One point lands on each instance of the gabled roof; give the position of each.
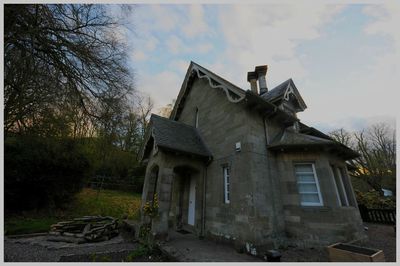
(283, 91)
(169, 134)
(290, 140)
(174, 136)
(233, 92)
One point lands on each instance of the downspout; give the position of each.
(271, 182)
(203, 214)
(265, 131)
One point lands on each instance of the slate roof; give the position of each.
(288, 138)
(292, 140)
(172, 135)
(177, 136)
(277, 92)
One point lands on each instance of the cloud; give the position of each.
(196, 23)
(387, 21)
(180, 66)
(175, 45)
(162, 87)
(138, 56)
(204, 48)
(250, 35)
(269, 34)
(156, 18)
(151, 43)
(355, 123)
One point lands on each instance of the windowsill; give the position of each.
(316, 208)
(347, 207)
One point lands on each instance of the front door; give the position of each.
(192, 201)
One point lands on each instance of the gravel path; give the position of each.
(382, 237)
(37, 249)
(379, 237)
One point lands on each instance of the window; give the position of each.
(342, 189)
(226, 184)
(196, 122)
(307, 183)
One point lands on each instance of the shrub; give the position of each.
(42, 172)
(372, 199)
(140, 252)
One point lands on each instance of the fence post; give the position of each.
(364, 213)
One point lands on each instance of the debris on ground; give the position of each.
(84, 229)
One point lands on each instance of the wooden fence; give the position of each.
(383, 216)
(100, 182)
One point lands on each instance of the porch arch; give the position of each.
(152, 182)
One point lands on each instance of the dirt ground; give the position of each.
(35, 249)
(382, 237)
(379, 237)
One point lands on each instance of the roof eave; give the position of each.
(266, 108)
(344, 152)
(171, 149)
(147, 136)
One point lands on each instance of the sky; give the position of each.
(342, 58)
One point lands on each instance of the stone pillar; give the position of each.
(164, 190)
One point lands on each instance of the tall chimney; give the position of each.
(252, 78)
(262, 83)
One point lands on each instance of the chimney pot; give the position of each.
(252, 78)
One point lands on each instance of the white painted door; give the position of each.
(192, 201)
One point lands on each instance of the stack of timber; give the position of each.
(84, 229)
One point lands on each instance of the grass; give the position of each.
(23, 225)
(88, 202)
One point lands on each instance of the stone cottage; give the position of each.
(238, 165)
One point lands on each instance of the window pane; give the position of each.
(226, 184)
(309, 198)
(307, 184)
(305, 177)
(307, 188)
(304, 168)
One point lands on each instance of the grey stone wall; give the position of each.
(309, 225)
(264, 209)
(253, 212)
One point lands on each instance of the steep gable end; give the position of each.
(286, 97)
(233, 93)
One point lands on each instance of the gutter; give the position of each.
(203, 211)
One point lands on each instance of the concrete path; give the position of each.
(37, 249)
(187, 247)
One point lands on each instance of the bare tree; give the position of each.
(167, 110)
(145, 106)
(57, 57)
(342, 136)
(377, 148)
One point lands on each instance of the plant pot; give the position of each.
(340, 252)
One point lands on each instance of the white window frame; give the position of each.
(340, 177)
(337, 174)
(336, 187)
(227, 181)
(321, 202)
(196, 125)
